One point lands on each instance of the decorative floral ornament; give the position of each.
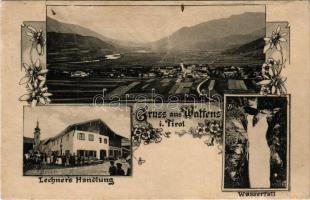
(36, 88)
(268, 65)
(209, 141)
(147, 134)
(141, 161)
(37, 39)
(215, 128)
(36, 94)
(273, 82)
(34, 73)
(196, 132)
(274, 40)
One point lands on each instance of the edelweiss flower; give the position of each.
(273, 81)
(37, 39)
(274, 40)
(34, 74)
(264, 90)
(268, 66)
(36, 94)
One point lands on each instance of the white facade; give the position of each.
(78, 142)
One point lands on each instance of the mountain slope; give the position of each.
(219, 34)
(252, 49)
(61, 41)
(61, 27)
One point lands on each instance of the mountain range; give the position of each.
(223, 34)
(55, 26)
(219, 34)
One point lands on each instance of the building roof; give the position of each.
(28, 140)
(45, 141)
(126, 142)
(95, 126)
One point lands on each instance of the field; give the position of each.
(67, 60)
(83, 91)
(128, 75)
(221, 86)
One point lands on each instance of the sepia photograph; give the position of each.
(199, 50)
(256, 139)
(76, 140)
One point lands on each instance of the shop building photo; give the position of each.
(94, 146)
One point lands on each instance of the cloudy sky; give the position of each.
(54, 119)
(142, 23)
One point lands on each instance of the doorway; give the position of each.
(103, 154)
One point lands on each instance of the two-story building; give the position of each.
(91, 138)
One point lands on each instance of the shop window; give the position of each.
(80, 152)
(91, 153)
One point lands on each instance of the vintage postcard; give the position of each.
(155, 99)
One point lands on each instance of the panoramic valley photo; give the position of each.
(93, 50)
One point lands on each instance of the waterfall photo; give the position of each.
(256, 140)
